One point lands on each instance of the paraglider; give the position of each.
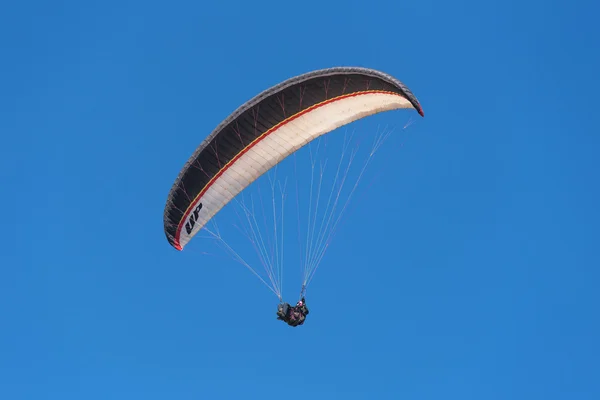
(293, 316)
(267, 129)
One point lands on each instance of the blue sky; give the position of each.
(467, 270)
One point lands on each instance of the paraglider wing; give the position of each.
(268, 128)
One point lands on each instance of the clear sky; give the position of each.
(468, 268)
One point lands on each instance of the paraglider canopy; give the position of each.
(268, 128)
